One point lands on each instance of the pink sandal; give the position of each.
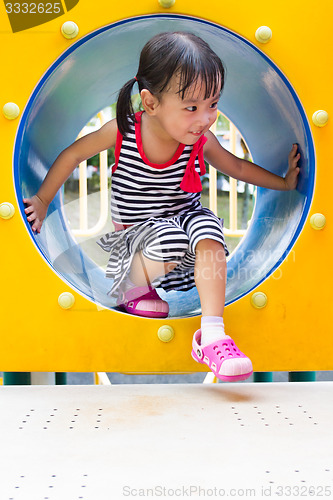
(143, 301)
(223, 357)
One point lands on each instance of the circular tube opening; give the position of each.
(257, 98)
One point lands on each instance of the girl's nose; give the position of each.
(207, 118)
(203, 118)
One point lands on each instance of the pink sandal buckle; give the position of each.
(152, 306)
(223, 357)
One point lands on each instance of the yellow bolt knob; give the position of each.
(263, 34)
(165, 333)
(320, 118)
(7, 210)
(166, 4)
(317, 221)
(69, 30)
(11, 110)
(259, 300)
(66, 300)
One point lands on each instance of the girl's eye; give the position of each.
(191, 108)
(214, 105)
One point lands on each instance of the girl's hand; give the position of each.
(293, 171)
(36, 211)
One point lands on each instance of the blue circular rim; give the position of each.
(74, 46)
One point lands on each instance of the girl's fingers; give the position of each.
(36, 227)
(29, 209)
(293, 151)
(32, 217)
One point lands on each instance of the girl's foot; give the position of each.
(142, 301)
(223, 357)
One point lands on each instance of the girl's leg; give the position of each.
(163, 247)
(137, 295)
(144, 269)
(210, 279)
(212, 346)
(210, 276)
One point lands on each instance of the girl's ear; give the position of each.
(149, 102)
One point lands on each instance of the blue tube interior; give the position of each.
(257, 98)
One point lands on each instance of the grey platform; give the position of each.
(164, 441)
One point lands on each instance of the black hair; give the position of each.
(165, 55)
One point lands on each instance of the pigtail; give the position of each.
(125, 111)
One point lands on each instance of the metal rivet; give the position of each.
(166, 333)
(263, 34)
(11, 110)
(166, 4)
(259, 300)
(69, 30)
(7, 210)
(317, 221)
(320, 118)
(66, 300)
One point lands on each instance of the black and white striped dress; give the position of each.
(156, 208)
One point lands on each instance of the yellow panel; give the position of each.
(293, 332)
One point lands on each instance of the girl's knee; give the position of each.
(209, 244)
(210, 250)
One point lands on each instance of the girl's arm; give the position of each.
(246, 171)
(67, 161)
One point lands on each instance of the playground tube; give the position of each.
(257, 98)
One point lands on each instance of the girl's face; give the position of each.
(186, 120)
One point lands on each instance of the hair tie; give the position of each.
(135, 78)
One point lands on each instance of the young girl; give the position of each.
(163, 236)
